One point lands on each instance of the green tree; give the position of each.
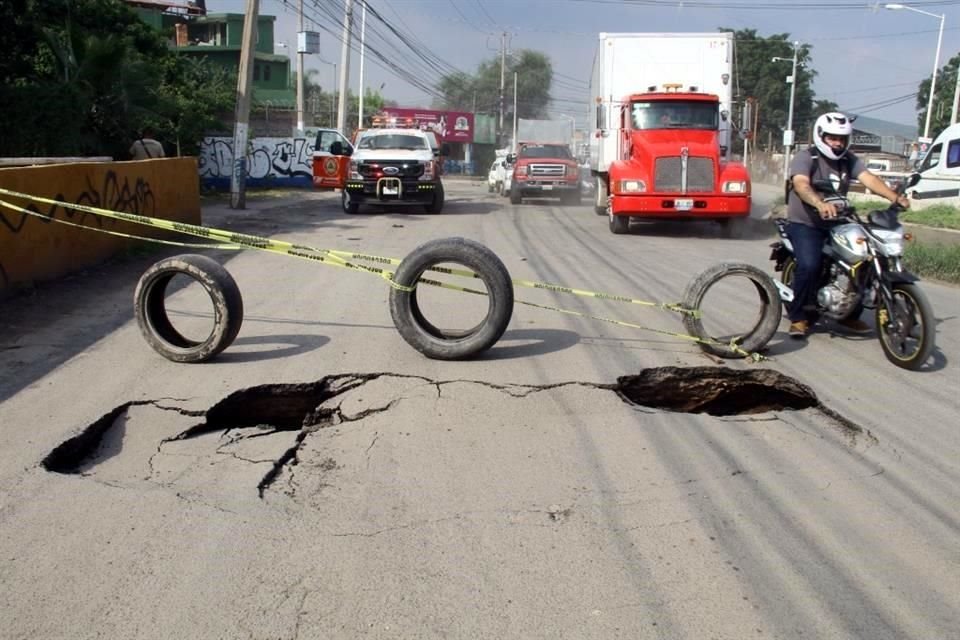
(481, 92)
(757, 75)
(942, 101)
(191, 99)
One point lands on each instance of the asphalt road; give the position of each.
(535, 492)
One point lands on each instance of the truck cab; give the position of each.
(670, 163)
(544, 170)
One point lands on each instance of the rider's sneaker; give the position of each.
(854, 325)
(799, 329)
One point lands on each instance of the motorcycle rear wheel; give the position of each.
(907, 332)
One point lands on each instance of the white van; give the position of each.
(940, 168)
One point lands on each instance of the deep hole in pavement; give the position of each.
(718, 391)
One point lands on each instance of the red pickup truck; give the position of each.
(544, 170)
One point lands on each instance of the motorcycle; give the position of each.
(862, 268)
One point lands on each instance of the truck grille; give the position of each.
(699, 175)
(547, 170)
(405, 169)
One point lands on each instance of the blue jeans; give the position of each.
(808, 250)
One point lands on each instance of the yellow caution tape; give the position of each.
(231, 240)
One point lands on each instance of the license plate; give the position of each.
(547, 187)
(683, 204)
(391, 191)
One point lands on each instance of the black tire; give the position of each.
(436, 205)
(515, 197)
(426, 338)
(489, 188)
(904, 345)
(766, 324)
(499, 188)
(600, 196)
(619, 224)
(159, 332)
(348, 205)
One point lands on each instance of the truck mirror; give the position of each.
(512, 158)
(913, 179)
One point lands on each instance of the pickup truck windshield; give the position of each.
(668, 114)
(392, 141)
(545, 151)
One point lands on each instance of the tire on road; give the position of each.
(349, 206)
(767, 321)
(436, 205)
(428, 339)
(159, 332)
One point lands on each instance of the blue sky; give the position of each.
(864, 55)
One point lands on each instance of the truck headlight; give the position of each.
(735, 186)
(633, 186)
(355, 170)
(428, 170)
(522, 170)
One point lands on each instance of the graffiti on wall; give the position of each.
(125, 197)
(269, 162)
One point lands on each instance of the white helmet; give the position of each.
(833, 124)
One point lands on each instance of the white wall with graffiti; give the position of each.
(271, 162)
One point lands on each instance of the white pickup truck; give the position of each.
(394, 167)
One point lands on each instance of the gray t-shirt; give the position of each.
(833, 170)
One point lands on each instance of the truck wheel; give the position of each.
(499, 188)
(436, 205)
(426, 338)
(515, 197)
(619, 224)
(349, 206)
(600, 196)
(149, 305)
(767, 320)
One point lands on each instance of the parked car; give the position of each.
(940, 168)
(495, 176)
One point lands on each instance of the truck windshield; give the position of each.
(545, 151)
(392, 141)
(668, 114)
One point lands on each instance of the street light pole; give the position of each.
(788, 137)
(936, 57)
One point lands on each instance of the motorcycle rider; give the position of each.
(810, 215)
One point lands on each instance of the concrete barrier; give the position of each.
(33, 249)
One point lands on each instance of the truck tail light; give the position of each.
(734, 186)
(633, 186)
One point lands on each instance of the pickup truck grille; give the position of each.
(547, 170)
(699, 175)
(405, 169)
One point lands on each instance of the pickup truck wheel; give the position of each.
(765, 325)
(452, 345)
(150, 308)
(499, 188)
(619, 224)
(436, 205)
(515, 197)
(348, 205)
(600, 196)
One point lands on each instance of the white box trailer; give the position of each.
(630, 63)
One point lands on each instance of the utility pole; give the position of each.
(503, 68)
(956, 98)
(345, 67)
(788, 137)
(514, 112)
(363, 37)
(300, 76)
(238, 178)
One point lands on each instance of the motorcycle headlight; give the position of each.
(633, 186)
(734, 186)
(891, 242)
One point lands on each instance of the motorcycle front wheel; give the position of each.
(906, 327)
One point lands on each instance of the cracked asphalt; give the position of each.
(321, 479)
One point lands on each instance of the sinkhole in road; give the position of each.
(718, 391)
(309, 407)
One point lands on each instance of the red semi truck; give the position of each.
(660, 150)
